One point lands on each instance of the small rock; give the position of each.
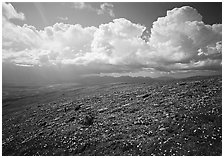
(162, 129)
(145, 96)
(102, 110)
(88, 120)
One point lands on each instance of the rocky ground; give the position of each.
(181, 117)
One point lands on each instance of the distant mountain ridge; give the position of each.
(165, 78)
(110, 79)
(98, 80)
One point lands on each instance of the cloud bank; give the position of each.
(180, 41)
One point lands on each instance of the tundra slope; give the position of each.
(181, 117)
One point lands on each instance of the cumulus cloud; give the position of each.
(82, 5)
(118, 42)
(9, 12)
(180, 41)
(59, 42)
(182, 37)
(79, 5)
(62, 18)
(106, 8)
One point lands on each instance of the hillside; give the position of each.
(180, 117)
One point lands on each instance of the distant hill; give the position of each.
(91, 80)
(199, 77)
(165, 78)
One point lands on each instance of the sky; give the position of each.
(64, 41)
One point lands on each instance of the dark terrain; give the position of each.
(176, 117)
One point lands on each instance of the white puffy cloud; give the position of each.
(19, 38)
(60, 41)
(83, 5)
(118, 41)
(179, 41)
(62, 18)
(79, 5)
(106, 8)
(182, 37)
(9, 12)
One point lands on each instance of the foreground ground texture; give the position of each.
(182, 117)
